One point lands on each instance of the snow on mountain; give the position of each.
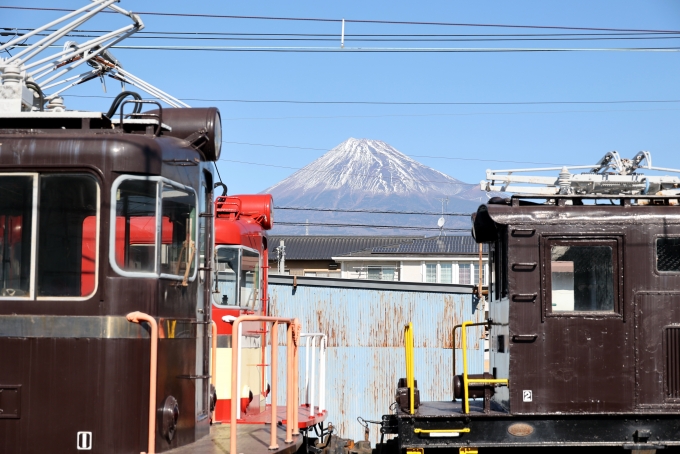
(370, 174)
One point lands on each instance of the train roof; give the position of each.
(606, 211)
(524, 210)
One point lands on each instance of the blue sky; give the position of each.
(575, 134)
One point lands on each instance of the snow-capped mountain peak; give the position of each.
(369, 166)
(370, 175)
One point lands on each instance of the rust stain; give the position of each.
(365, 332)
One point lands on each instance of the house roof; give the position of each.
(324, 247)
(444, 245)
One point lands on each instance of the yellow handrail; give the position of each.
(466, 381)
(453, 339)
(410, 380)
(442, 431)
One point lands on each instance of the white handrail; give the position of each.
(310, 371)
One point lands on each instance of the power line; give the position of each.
(358, 21)
(410, 155)
(305, 169)
(406, 103)
(353, 35)
(342, 173)
(467, 114)
(372, 226)
(409, 50)
(319, 49)
(339, 210)
(287, 37)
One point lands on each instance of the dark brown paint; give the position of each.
(94, 384)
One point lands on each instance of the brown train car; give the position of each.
(583, 330)
(99, 219)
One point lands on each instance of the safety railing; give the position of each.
(453, 342)
(292, 341)
(410, 380)
(310, 371)
(466, 380)
(139, 317)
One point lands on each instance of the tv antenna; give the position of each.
(441, 221)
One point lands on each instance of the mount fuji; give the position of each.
(365, 174)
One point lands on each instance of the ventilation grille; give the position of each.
(668, 254)
(672, 349)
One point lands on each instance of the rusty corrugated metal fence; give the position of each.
(365, 329)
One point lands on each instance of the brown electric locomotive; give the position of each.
(99, 220)
(583, 318)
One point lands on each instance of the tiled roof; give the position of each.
(309, 247)
(461, 244)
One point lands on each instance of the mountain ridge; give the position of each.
(361, 173)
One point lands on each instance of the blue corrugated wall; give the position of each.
(365, 357)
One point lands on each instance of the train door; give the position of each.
(584, 335)
(657, 323)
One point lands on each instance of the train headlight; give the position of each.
(217, 135)
(201, 126)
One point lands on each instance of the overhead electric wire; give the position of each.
(372, 226)
(319, 49)
(463, 114)
(358, 21)
(337, 172)
(409, 155)
(408, 103)
(197, 35)
(322, 49)
(340, 210)
(367, 174)
(326, 37)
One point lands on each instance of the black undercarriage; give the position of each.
(497, 429)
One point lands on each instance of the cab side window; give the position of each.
(581, 276)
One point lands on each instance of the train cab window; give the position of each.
(250, 279)
(155, 228)
(135, 245)
(16, 223)
(668, 254)
(49, 227)
(67, 235)
(582, 277)
(178, 256)
(226, 276)
(237, 278)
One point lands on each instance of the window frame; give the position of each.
(34, 236)
(35, 213)
(436, 272)
(158, 238)
(616, 244)
(240, 248)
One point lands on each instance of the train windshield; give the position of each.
(238, 277)
(155, 229)
(178, 255)
(226, 276)
(58, 256)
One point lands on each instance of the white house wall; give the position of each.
(411, 272)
